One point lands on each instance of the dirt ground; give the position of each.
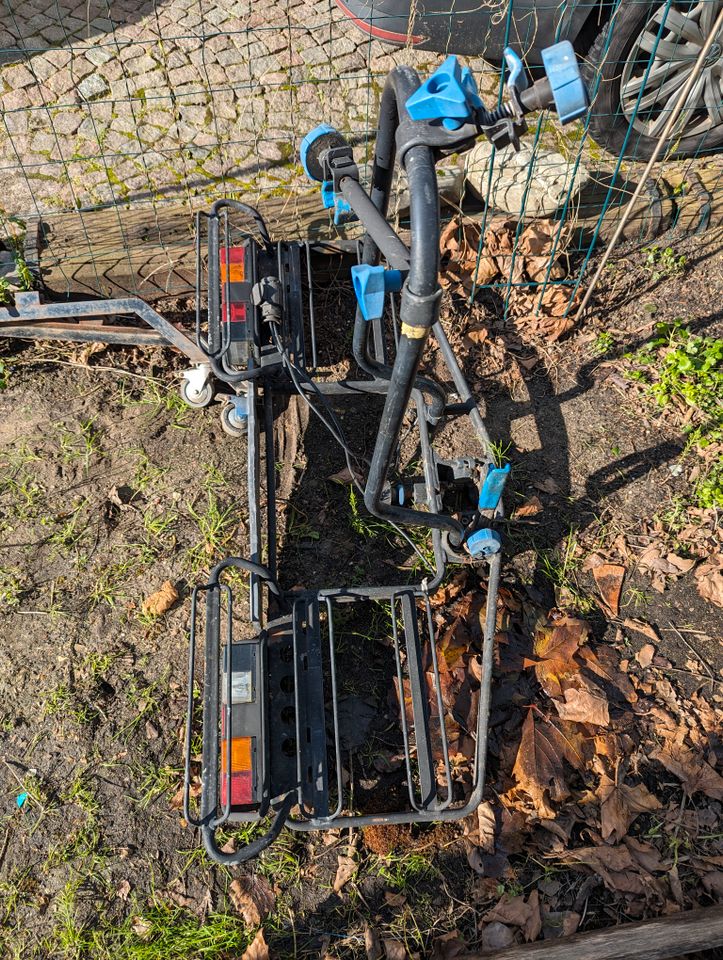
(110, 486)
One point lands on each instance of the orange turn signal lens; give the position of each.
(241, 755)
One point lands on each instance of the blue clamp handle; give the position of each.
(484, 543)
(567, 86)
(518, 78)
(449, 95)
(494, 484)
(371, 284)
(343, 212)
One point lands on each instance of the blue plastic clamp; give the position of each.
(370, 286)
(517, 78)
(311, 137)
(484, 543)
(449, 95)
(240, 408)
(343, 212)
(568, 87)
(494, 484)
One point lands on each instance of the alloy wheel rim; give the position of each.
(685, 30)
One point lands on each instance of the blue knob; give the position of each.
(568, 87)
(494, 484)
(315, 142)
(370, 286)
(449, 95)
(484, 543)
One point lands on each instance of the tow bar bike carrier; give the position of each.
(272, 743)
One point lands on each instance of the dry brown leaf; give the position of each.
(695, 774)
(372, 944)
(713, 884)
(616, 866)
(123, 890)
(448, 947)
(482, 829)
(345, 870)
(530, 508)
(645, 655)
(583, 706)
(709, 580)
(161, 601)
(609, 579)
(394, 950)
(496, 936)
(518, 912)
(252, 897)
(555, 644)
(620, 804)
(257, 949)
(640, 626)
(539, 769)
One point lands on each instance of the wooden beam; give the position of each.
(149, 251)
(659, 939)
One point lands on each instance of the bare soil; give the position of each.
(109, 487)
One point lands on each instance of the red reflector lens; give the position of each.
(236, 313)
(242, 789)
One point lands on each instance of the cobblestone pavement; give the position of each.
(174, 98)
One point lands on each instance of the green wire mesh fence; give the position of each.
(148, 109)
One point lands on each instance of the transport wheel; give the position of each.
(231, 423)
(193, 398)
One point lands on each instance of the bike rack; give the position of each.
(271, 745)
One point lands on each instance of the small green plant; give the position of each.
(684, 369)
(216, 525)
(405, 871)
(499, 451)
(4, 369)
(662, 262)
(604, 343)
(11, 588)
(560, 566)
(83, 444)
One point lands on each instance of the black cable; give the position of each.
(338, 433)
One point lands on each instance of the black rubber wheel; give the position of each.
(623, 67)
(196, 400)
(230, 425)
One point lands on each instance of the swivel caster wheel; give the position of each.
(198, 399)
(234, 423)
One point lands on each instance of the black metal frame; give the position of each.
(295, 616)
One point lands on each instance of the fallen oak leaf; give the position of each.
(609, 578)
(620, 805)
(616, 866)
(518, 912)
(555, 645)
(161, 601)
(582, 706)
(695, 774)
(252, 897)
(538, 768)
(709, 580)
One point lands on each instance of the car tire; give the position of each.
(614, 74)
